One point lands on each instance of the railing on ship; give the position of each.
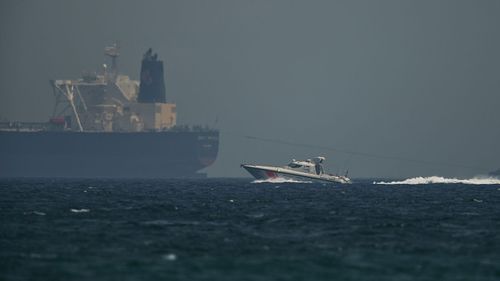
(186, 128)
(26, 126)
(51, 126)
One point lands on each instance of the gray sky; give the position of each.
(417, 80)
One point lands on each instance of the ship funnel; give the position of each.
(152, 87)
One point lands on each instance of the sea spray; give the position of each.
(442, 180)
(279, 180)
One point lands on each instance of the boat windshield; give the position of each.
(293, 165)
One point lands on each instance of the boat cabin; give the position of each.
(308, 166)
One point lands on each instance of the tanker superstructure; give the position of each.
(108, 125)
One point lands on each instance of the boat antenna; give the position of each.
(346, 165)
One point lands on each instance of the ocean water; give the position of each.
(236, 229)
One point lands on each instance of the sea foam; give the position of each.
(443, 180)
(80, 210)
(279, 180)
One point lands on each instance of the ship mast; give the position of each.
(112, 52)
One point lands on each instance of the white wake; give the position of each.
(435, 179)
(280, 180)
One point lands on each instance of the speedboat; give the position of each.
(302, 170)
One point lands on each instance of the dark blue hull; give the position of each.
(110, 155)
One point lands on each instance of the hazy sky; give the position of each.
(418, 80)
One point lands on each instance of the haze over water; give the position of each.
(414, 80)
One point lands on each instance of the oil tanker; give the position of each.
(108, 125)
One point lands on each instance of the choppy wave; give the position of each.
(173, 226)
(280, 180)
(438, 180)
(80, 210)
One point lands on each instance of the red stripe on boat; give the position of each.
(271, 174)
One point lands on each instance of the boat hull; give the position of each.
(270, 172)
(167, 154)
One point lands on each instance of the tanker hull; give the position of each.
(166, 154)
